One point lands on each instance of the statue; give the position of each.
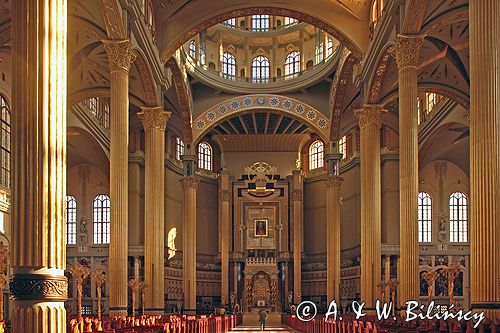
(99, 277)
(172, 234)
(452, 272)
(430, 276)
(79, 273)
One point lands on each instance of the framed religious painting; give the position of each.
(260, 227)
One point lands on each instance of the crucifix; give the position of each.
(143, 287)
(279, 228)
(134, 286)
(393, 286)
(452, 272)
(430, 277)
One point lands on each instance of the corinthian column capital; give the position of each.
(153, 117)
(120, 54)
(370, 114)
(334, 182)
(190, 183)
(407, 50)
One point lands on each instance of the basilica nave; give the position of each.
(213, 160)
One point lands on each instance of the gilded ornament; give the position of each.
(120, 54)
(39, 287)
(407, 50)
(333, 182)
(370, 114)
(190, 183)
(154, 118)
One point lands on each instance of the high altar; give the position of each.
(262, 259)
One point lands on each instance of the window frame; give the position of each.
(101, 226)
(458, 216)
(228, 66)
(179, 148)
(316, 155)
(71, 219)
(292, 65)
(192, 49)
(205, 156)
(260, 22)
(261, 68)
(5, 142)
(424, 208)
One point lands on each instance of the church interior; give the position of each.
(188, 165)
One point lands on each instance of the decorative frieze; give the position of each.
(333, 182)
(297, 195)
(120, 54)
(53, 288)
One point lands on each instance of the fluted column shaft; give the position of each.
(154, 121)
(297, 195)
(485, 156)
(120, 58)
(370, 121)
(333, 185)
(190, 186)
(407, 52)
(225, 232)
(38, 286)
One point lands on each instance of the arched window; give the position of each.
(329, 47)
(101, 219)
(192, 49)
(316, 151)
(424, 217)
(458, 217)
(5, 143)
(172, 234)
(230, 23)
(70, 220)
(228, 66)
(204, 156)
(290, 21)
(292, 65)
(319, 52)
(179, 148)
(343, 146)
(260, 22)
(260, 69)
(105, 116)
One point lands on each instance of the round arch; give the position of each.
(437, 88)
(289, 106)
(198, 27)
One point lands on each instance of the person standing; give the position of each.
(262, 320)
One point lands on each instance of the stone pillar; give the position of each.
(189, 184)
(333, 184)
(38, 287)
(154, 121)
(370, 121)
(120, 56)
(297, 234)
(407, 52)
(387, 278)
(485, 156)
(225, 232)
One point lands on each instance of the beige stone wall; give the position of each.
(207, 218)
(284, 161)
(390, 198)
(314, 217)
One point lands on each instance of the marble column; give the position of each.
(38, 287)
(407, 51)
(154, 121)
(297, 194)
(120, 56)
(225, 232)
(189, 184)
(370, 120)
(485, 156)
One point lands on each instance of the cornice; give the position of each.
(101, 134)
(436, 119)
(269, 33)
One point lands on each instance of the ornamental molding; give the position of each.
(407, 50)
(39, 287)
(380, 73)
(334, 182)
(370, 114)
(120, 54)
(290, 106)
(154, 118)
(148, 83)
(190, 183)
(225, 195)
(297, 195)
(112, 18)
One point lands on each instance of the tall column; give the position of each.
(370, 120)
(333, 184)
(407, 52)
(190, 185)
(154, 120)
(297, 234)
(120, 56)
(485, 155)
(38, 286)
(225, 232)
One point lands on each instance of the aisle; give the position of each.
(275, 329)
